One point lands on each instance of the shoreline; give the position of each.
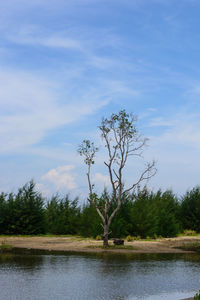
(85, 245)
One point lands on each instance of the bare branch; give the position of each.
(115, 174)
(149, 172)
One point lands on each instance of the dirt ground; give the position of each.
(78, 244)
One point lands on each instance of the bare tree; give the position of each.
(122, 141)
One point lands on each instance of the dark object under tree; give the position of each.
(118, 242)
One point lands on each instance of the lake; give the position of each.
(43, 275)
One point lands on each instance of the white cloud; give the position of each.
(41, 188)
(61, 177)
(101, 179)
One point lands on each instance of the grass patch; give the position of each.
(148, 239)
(35, 235)
(195, 246)
(188, 233)
(44, 235)
(80, 238)
(5, 247)
(130, 238)
(112, 247)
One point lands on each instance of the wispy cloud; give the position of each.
(160, 121)
(64, 62)
(101, 180)
(30, 108)
(176, 150)
(182, 129)
(61, 177)
(39, 36)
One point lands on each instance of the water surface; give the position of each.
(102, 277)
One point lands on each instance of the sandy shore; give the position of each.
(77, 244)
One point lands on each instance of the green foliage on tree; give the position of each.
(63, 215)
(90, 221)
(143, 213)
(3, 213)
(190, 210)
(22, 213)
(155, 214)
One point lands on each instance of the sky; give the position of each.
(66, 64)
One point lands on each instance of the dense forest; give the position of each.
(142, 214)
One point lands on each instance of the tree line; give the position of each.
(143, 213)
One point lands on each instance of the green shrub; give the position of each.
(129, 238)
(197, 296)
(195, 246)
(5, 247)
(189, 232)
(98, 238)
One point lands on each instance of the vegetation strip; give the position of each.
(112, 247)
(4, 247)
(194, 246)
(144, 214)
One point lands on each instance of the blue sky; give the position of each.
(66, 64)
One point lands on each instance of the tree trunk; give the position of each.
(105, 235)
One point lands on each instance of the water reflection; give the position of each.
(104, 276)
(26, 263)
